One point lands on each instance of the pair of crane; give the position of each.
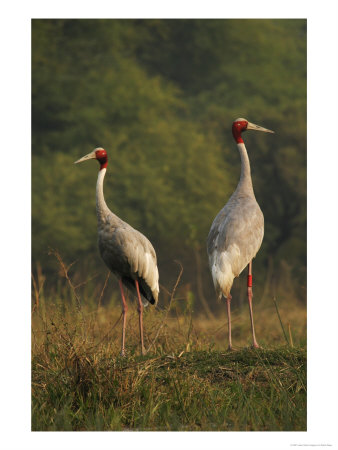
(234, 239)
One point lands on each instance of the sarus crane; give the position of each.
(236, 233)
(126, 252)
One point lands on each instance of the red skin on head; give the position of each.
(237, 128)
(102, 157)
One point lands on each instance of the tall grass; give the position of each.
(187, 381)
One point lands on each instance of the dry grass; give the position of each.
(187, 381)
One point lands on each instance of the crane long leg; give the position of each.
(124, 312)
(140, 315)
(229, 320)
(254, 344)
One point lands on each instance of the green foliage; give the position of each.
(160, 96)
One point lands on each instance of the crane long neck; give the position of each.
(245, 182)
(104, 215)
(102, 210)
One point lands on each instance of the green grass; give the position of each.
(79, 382)
(199, 390)
(186, 382)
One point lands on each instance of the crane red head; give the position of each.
(100, 154)
(240, 125)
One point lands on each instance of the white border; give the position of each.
(322, 215)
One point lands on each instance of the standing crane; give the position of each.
(236, 233)
(126, 252)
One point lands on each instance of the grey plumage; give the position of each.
(234, 239)
(237, 231)
(129, 255)
(126, 252)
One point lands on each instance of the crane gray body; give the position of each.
(129, 255)
(126, 251)
(236, 233)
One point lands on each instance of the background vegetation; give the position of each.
(160, 96)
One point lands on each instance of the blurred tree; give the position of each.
(160, 96)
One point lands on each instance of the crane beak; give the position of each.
(252, 126)
(91, 155)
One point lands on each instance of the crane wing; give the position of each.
(130, 255)
(237, 233)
